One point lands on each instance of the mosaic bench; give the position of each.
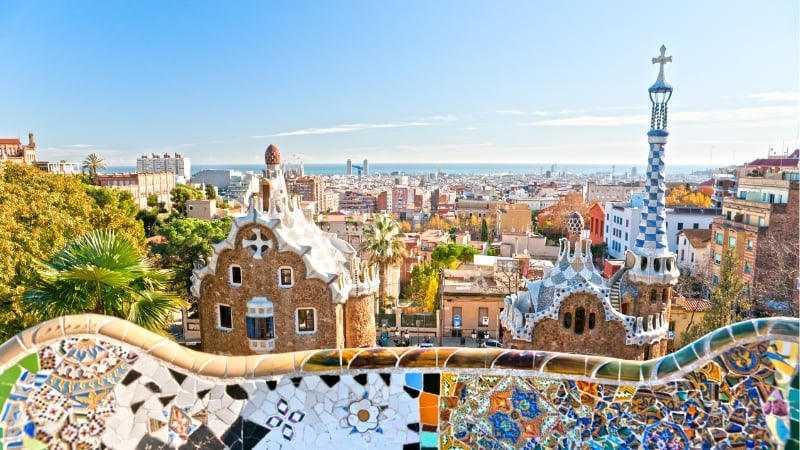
(92, 381)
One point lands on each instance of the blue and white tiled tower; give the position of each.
(651, 261)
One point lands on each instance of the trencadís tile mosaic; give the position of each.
(92, 382)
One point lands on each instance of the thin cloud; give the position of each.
(353, 127)
(768, 115)
(508, 112)
(774, 96)
(80, 146)
(543, 113)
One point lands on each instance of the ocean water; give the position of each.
(447, 168)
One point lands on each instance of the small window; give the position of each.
(719, 238)
(717, 259)
(665, 296)
(306, 320)
(747, 267)
(680, 226)
(749, 244)
(260, 328)
(568, 320)
(235, 276)
(653, 297)
(695, 226)
(285, 277)
(591, 321)
(580, 317)
(732, 241)
(224, 317)
(715, 279)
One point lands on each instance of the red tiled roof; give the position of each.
(692, 304)
(776, 162)
(10, 141)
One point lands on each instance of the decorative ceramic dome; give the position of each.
(272, 156)
(575, 224)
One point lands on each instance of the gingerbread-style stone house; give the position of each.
(280, 284)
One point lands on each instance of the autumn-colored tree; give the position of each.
(41, 213)
(683, 196)
(437, 223)
(405, 227)
(424, 286)
(556, 224)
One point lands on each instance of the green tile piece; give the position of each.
(33, 444)
(684, 356)
(667, 367)
(10, 376)
(608, 371)
(720, 338)
(429, 439)
(785, 328)
(630, 371)
(30, 362)
(743, 330)
(646, 369)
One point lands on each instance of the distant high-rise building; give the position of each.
(349, 167)
(177, 164)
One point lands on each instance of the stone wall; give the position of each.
(98, 382)
(259, 279)
(607, 337)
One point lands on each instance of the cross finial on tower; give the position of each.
(662, 59)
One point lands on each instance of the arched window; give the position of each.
(591, 321)
(580, 317)
(643, 265)
(652, 296)
(657, 264)
(568, 320)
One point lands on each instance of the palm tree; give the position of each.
(92, 163)
(384, 250)
(101, 272)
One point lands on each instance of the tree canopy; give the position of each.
(180, 194)
(683, 196)
(187, 240)
(382, 247)
(41, 213)
(92, 164)
(450, 255)
(103, 273)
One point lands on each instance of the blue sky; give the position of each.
(391, 81)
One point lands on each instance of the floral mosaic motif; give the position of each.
(286, 419)
(363, 416)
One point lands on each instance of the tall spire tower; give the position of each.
(651, 260)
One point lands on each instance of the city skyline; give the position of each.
(399, 82)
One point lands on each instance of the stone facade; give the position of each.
(280, 284)
(13, 150)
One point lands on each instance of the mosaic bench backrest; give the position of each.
(93, 381)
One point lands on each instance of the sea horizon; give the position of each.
(447, 168)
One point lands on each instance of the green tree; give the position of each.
(484, 231)
(41, 212)
(383, 247)
(424, 286)
(728, 305)
(211, 192)
(118, 212)
(92, 164)
(180, 194)
(102, 272)
(450, 255)
(186, 242)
